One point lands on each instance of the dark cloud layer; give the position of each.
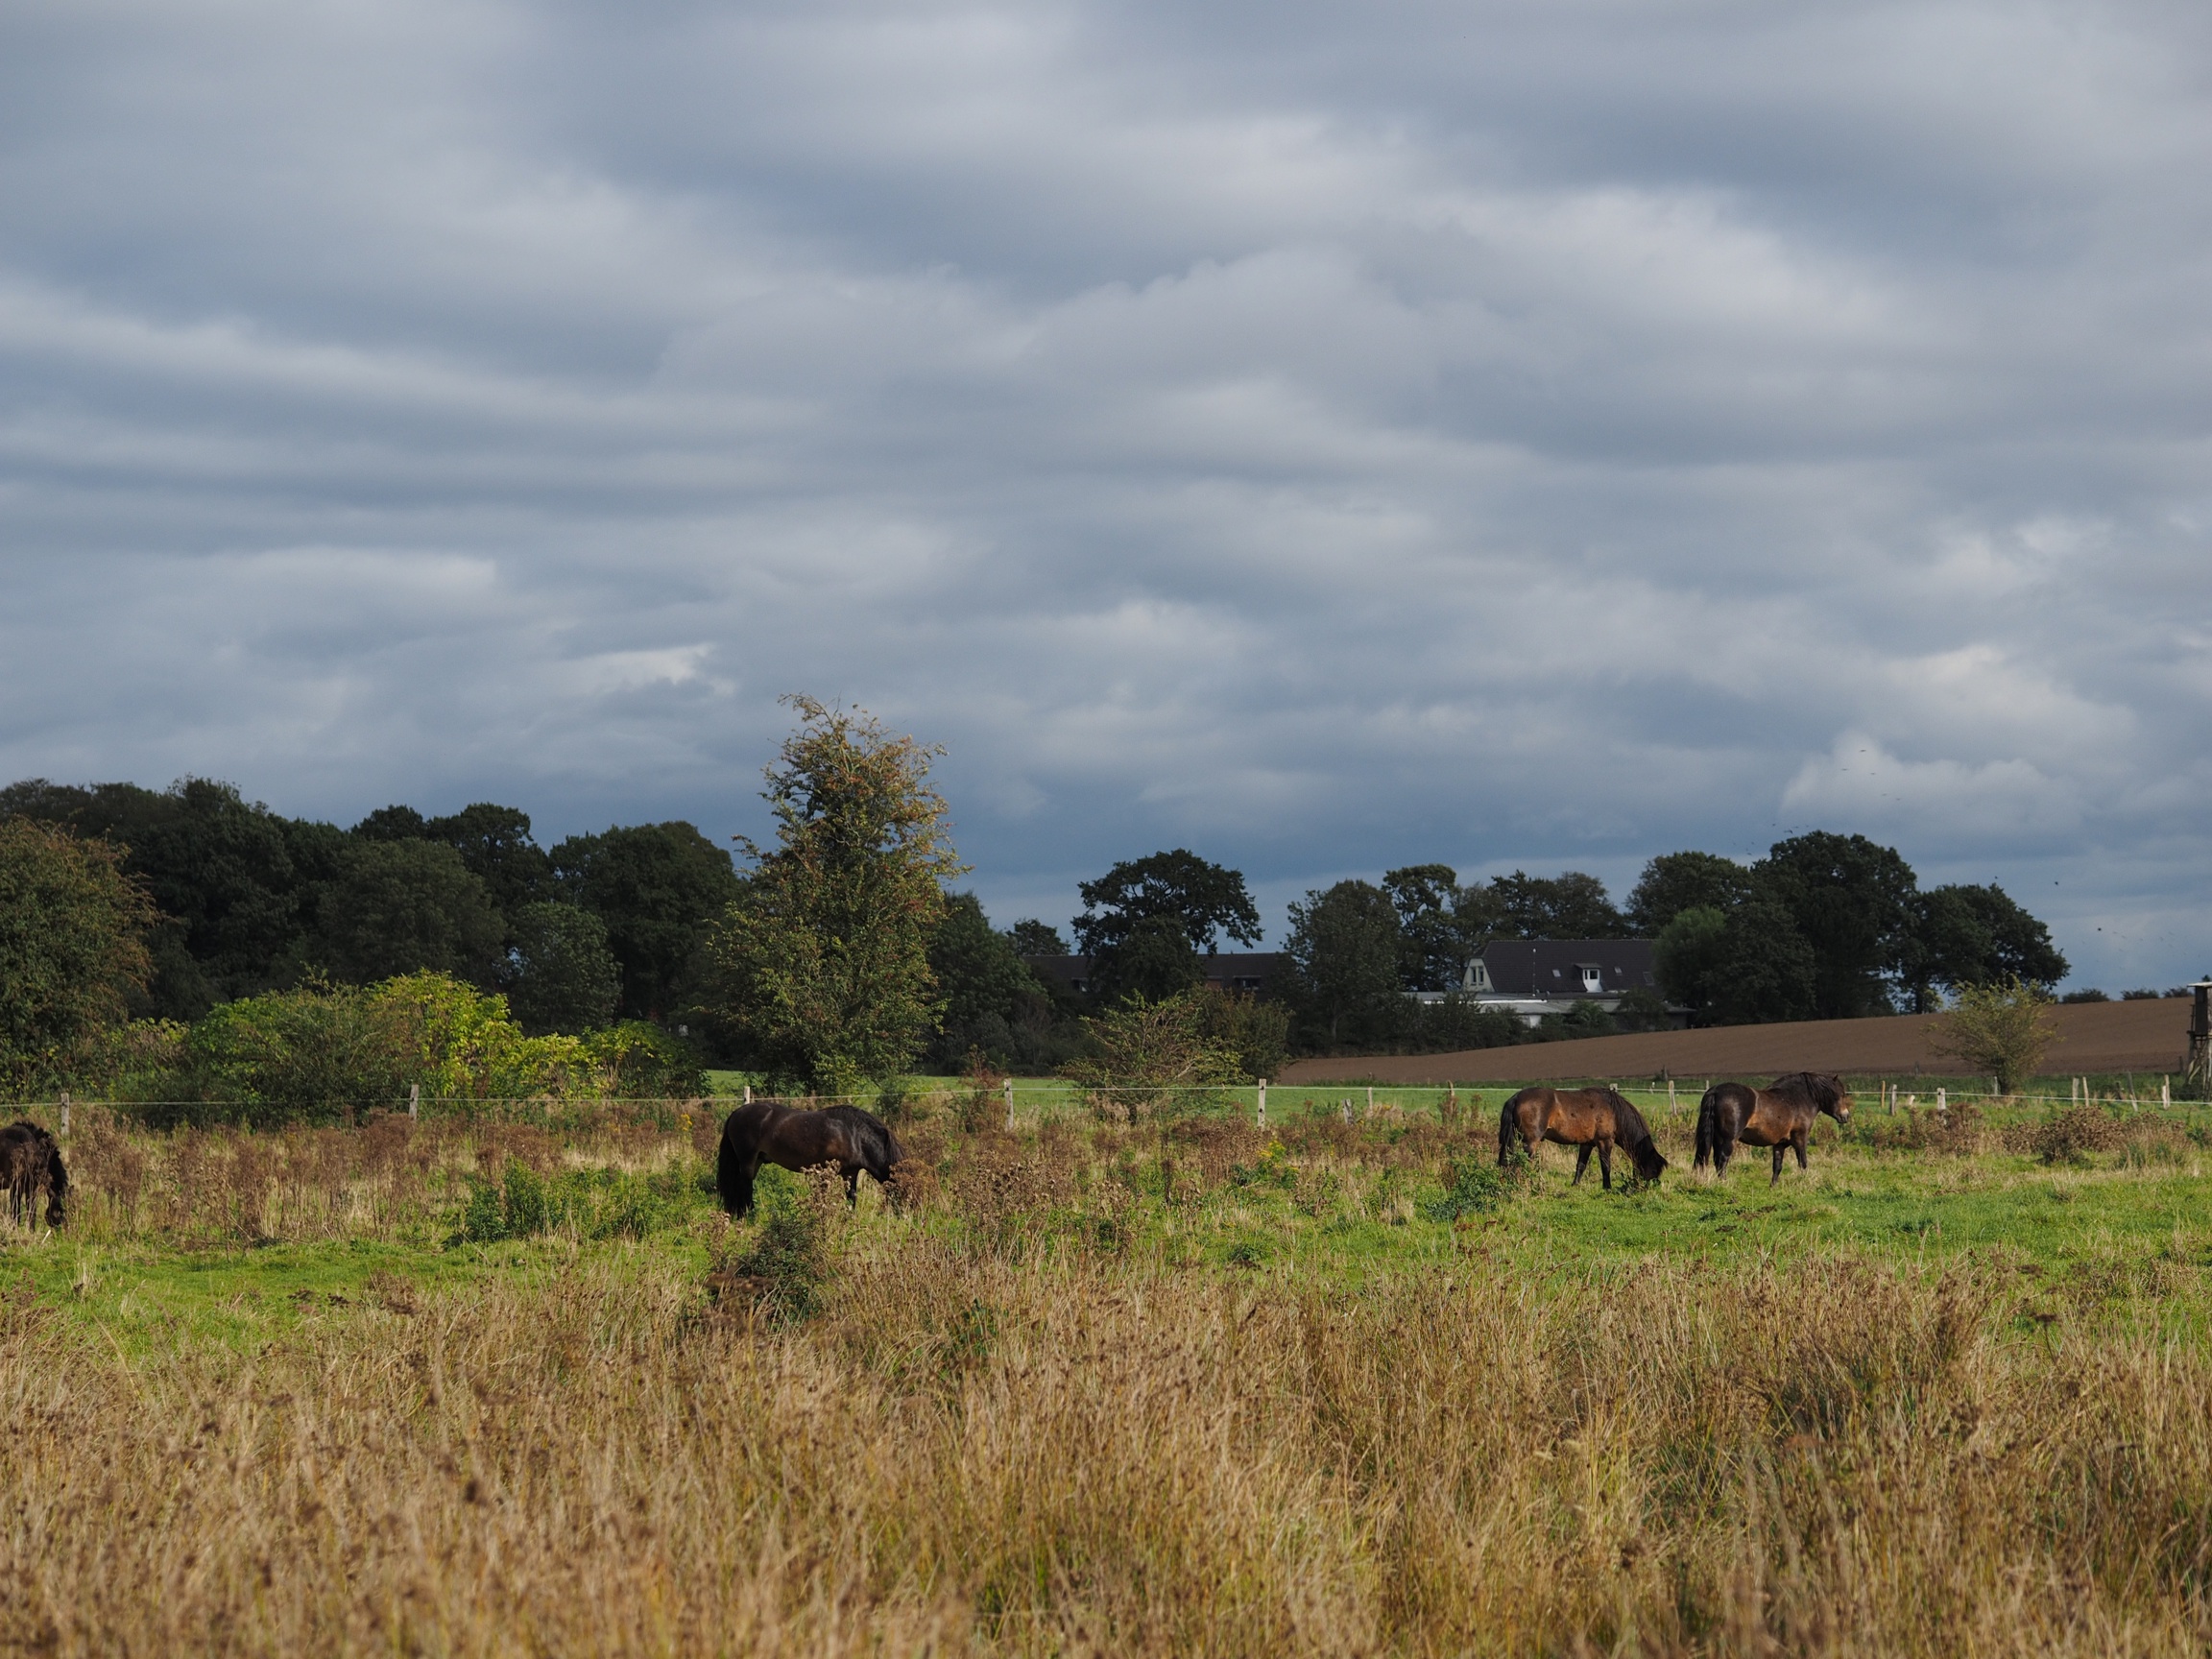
(1329, 437)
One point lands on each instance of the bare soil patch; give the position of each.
(2093, 1037)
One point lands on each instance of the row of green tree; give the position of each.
(1825, 926)
(244, 901)
(839, 954)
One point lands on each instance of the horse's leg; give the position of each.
(851, 1185)
(1723, 1149)
(1581, 1163)
(1606, 1163)
(1780, 1147)
(1799, 1140)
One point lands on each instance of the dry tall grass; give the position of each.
(974, 1451)
(984, 1446)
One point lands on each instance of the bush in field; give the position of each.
(73, 930)
(1146, 1053)
(635, 1060)
(785, 1268)
(2000, 1028)
(1473, 1187)
(2069, 1135)
(592, 1203)
(323, 1053)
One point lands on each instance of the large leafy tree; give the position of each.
(1854, 904)
(561, 976)
(1971, 936)
(1031, 937)
(659, 889)
(1207, 900)
(978, 972)
(407, 906)
(1433, 949)
(1343, 982)
(823, 961)
(1764, 968)
(1153, 960)
(1570, 906)
(219, 867)
(1678, 882)
(73, 930)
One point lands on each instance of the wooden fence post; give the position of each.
(1009, 1105)
(1260, 1117)
(1345, 1106)
(1943, 1110)
(1370, 1100)
(748, 1094)
(1669, 1097)
(64, 1111)
(414, 1099)
(2165, 1096)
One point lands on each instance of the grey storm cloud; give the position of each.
(1329, 437)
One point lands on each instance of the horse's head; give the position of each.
(1834, 1098)
(1649, 1165)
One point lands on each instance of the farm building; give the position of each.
(1532, 978)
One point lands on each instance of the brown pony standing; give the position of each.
(1779, 1116)
(1590, 1119)
(797, 1138)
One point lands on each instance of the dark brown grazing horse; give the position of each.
(1591, 1119)
(29, 1160)
(796, 1139)
(1779, 1116)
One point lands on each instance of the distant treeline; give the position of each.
(617, 926)
(596, 929)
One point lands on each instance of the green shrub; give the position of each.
(1472, 1187)
(785, 1268)
(635, 1060)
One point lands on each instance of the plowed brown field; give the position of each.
(2093, 1037)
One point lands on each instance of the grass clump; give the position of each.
(2070, 1134)
(1472, 1187)
(783, 1271)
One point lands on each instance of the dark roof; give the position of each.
(1555, 966)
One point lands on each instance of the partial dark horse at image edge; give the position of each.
(1589, 1120)
(1780, 1116)
(795, 1138)
(29, 1161)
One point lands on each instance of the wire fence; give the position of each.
(1038, 1099)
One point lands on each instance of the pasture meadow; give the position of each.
(1176, 1385)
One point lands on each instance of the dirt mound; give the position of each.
(2149, 1037)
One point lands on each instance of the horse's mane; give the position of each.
(1815, 1089)
(1630, 1119)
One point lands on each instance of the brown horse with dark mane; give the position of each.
(799, 1139)
(1589, 1120)
(29, 1160)
(1779, 1116)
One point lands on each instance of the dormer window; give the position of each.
(1592, 978)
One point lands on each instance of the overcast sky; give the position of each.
(1327, 437)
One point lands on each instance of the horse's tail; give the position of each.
(733, 1180)
(1508, 1126)
(1705, 1108)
